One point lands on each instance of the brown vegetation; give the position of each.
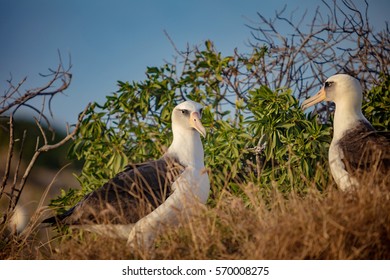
(330, 225)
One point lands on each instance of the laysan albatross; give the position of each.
(356, 148)
(142, 198)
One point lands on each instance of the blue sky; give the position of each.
(117, 39)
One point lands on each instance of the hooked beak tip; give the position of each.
(317, 98)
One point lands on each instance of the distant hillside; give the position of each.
(45, 171)
(54, 159)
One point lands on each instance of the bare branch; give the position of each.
(9, 155)
(45, 148)
(15, 192)
(12, 102)
(42, 131)
(173, 44)
(338, 39)
(14, 99)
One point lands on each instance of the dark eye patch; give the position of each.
(200, 111)
(328, 84)
(185, 112)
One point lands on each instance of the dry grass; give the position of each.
(331, 225)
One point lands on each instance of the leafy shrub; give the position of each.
(376, 106)
(255, 134)
(258, 135)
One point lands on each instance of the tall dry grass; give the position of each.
(329, 225)
(333, 225)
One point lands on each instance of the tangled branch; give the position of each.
(338, 39)
(11, 102)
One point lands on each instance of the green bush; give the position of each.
(255, 134)
(376, 104)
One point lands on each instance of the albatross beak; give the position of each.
(320, 96)
(197, 124)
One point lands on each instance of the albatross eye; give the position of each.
(328, 84)
(184, 112)
(200, 112)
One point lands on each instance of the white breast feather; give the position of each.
(190, 190)
(338, 170)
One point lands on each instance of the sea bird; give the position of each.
(356, 148)
(142, 198)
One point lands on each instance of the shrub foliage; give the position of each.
(256, 129)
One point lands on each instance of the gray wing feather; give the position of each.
(126, 198)
(365, 149)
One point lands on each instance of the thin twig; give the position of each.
(34, 221)
(173, 44)
(46, 148)
(9, 155)
(15, 192)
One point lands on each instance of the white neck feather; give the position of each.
(187, 147)
(346, 116)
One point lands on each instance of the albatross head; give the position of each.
(186, 117)
(187, 128)
(342, 89)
